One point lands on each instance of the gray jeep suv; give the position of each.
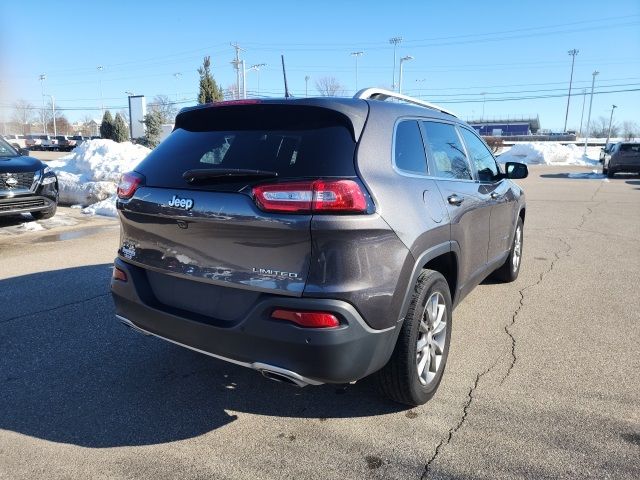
(316, 240)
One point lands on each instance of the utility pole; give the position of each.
(613, 107)
(586, 137)
(573, 54)
(236, 63)
(357, 54)
(584, 98)
(177, 76)
(395, 41)
(402, 60)
(53, 112)
(100, 68)
(43, 77)
(306, 85)
(257, 68)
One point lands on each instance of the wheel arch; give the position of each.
(443, 258)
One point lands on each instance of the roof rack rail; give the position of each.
(382, 94)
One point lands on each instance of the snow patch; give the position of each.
(541, 153)
(31, 227)
(89, 174)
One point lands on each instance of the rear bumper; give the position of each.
(312, 356)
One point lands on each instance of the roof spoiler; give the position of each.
(382, 95)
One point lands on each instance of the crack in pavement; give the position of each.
(465, 413)
(514, 317)
(77, 302)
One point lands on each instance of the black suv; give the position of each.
(26, 184)
(316, 240)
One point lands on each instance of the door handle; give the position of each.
(495, 195)
(455, 199)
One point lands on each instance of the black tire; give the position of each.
(604, 170)
(508, 272)
(44, 214)
(399, 379)
(610, 174)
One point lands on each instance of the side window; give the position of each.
(449, 159)
(409, 152)
(481, 157)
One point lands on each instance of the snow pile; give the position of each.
(89, 174)
(542, 153)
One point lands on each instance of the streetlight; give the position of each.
(43, 77)
(53, 112)
(484, 98)
(100, 68)
(257, 68)
(394, 41)
(357, 54)
(306, 85)
(402, 60)
(573, 54)
(613, 107)
(584, 98)
(586, 137)
(177, 76)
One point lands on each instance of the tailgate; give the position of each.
(222, 239)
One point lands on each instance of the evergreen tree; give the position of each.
(107, 126)
(209, 91)
(120, 129)
(153, 125)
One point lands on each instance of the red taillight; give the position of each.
(312, 196)
(307, 319)
(119, 274)
(129, 183)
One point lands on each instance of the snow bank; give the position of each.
(541, 153)
(89, 174)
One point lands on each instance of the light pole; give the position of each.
(613, 107)
(394, 41)
(402, 60)
(43, 77)
(177, 76)
(100, 68)
(306, 85)
(573, 54)
(484, 98)
(357, 54)
(584, 98)
(257, 68)
(586, 137)
(53, 113)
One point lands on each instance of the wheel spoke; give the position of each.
(422, 342)
(442, 325)
(422, 364)
(424, 327)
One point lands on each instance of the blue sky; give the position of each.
(460, 49)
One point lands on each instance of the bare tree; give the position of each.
(329, 87)
(600, 128)
(165, 107)
(23, 113)
(630, 130)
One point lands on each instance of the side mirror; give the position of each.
(24, 152)
(516, 170)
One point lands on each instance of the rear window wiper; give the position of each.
(216, 174)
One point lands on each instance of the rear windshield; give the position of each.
(630, 147)
(295, 142)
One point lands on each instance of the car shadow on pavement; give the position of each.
(70, 373)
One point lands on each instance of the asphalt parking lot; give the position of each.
(543, 379)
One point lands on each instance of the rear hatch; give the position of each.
(629, 154)
(207, 226)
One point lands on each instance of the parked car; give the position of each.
(605, 150)
(623, 157)
(316, 240)
(77, 140)
(64, 143)
(16, 141)
(39, 142)
(26, 184)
